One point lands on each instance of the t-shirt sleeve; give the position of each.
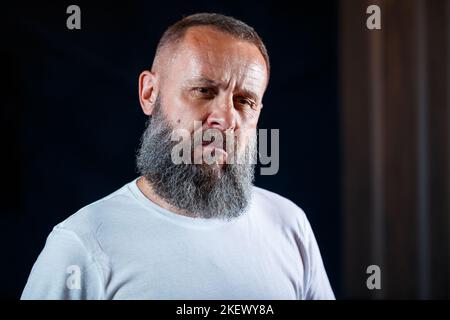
(64, 270)
(317, 284)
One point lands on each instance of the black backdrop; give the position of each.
(71, 120)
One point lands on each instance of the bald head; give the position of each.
(175, 34)
(205, 48)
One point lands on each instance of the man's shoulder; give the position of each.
(270, 197)
(277, 205)
(90, 217)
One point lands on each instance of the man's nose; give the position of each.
(222, 115)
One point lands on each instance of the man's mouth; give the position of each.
(216, 149)
(218, 143)
(215, 144)
(213, 149)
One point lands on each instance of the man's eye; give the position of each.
(203, 91)
(246, 102)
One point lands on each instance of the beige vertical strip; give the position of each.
(376, 82)
(422, 154)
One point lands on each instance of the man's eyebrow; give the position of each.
(201, 80)
(250, 94)
(209, 82)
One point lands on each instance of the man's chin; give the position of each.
(215, 170)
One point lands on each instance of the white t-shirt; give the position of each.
(124, 246)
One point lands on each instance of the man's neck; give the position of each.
(147, 189)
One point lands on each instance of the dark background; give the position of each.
(71, 120)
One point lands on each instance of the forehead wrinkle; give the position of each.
(206, 52)
(224, 67)
(245, 81)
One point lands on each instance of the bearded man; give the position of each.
(194, 229)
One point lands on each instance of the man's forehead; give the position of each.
(206, 35)
(205, 40)
(212, 54)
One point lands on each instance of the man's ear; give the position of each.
(148, 90)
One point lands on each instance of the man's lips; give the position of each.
(213, 149)
(215, 144)
(216, 150)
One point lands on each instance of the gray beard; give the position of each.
(195, 189)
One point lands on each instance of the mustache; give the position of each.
(216, 142)
(228, 140)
